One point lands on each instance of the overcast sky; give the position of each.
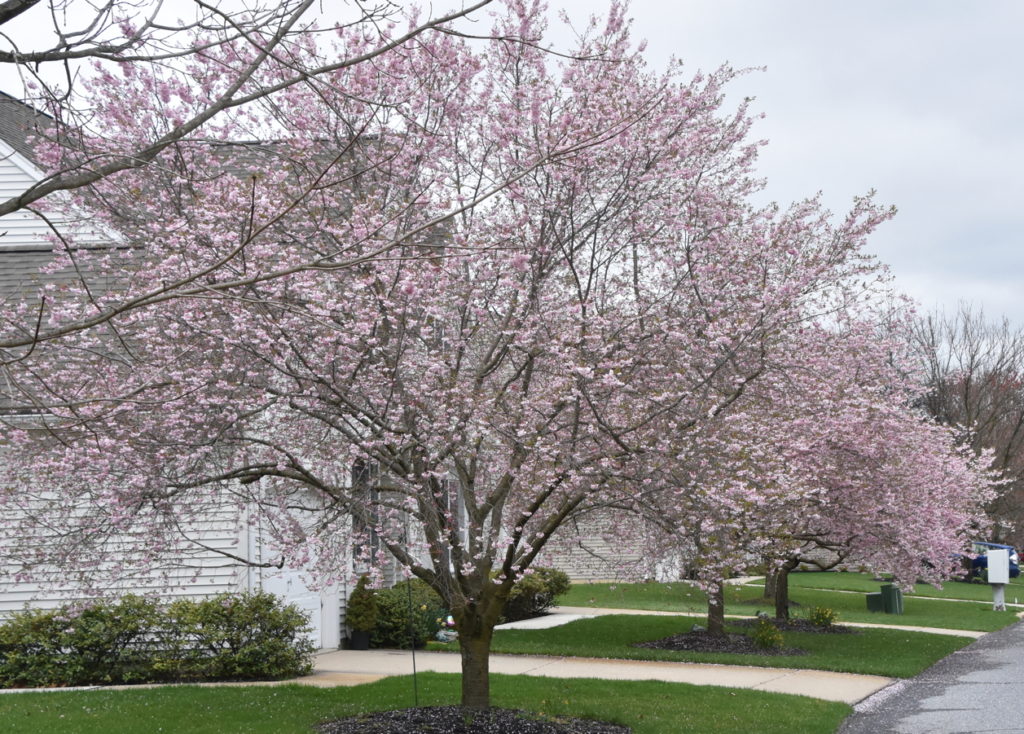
(920, 100)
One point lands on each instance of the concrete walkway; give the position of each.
(351, 667)
(584, 612)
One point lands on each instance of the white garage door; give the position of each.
(320, 606)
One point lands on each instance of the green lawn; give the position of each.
(853, 608)
(648, 707)
(746, 600)
(677, 596)
(870, 652)
(865, 582)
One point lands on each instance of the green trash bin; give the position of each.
(892, 599)
(875, 602)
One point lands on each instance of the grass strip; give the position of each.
(865, 582)
(678, 596)
(650, 707)
(893, 653)
(853, 608)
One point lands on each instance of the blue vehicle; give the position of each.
(979, 564)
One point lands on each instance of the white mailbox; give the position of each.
(998, 566)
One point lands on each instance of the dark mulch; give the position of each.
(800, 625)
(703, 642)
(456, 720)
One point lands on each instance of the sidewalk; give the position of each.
(351, 667)
(584, 612)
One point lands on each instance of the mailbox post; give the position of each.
(998, 576)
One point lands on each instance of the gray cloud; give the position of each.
(919, 100)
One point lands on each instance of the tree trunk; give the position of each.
(716, 611)
(782, 589)
(476, 682)
(771, 582)
(475, 624)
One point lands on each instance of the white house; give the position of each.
(216, 561)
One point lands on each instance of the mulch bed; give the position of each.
(800, 625)
(703, 642)
(455, 720)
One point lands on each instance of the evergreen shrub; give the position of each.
(395, 611)
(136, 640)
(535, 593)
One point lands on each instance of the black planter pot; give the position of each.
(360, 640)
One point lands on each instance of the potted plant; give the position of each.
(361, 614)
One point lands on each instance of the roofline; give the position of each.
(8, 153)
(23, 103)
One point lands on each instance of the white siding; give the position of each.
(583, 549)
(16, 173)
(295, 584)
(193, 570)
(24, 230)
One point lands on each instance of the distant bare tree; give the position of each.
(975, 369)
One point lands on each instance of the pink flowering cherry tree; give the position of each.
(895, 491)
(253, 51)
(496, 278)
(825, 451)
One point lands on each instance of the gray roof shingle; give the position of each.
(19, 122)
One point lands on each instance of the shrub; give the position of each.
(112, 640)
(766, 635)
(134, 640)
(362, 611)
(534, 594)
(823, 617)
(241, 637)
(393, 622)
(531, 595)
(96, 643)
(29, 655)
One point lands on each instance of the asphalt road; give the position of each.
(976, 690)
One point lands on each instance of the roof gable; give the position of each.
(19, 122)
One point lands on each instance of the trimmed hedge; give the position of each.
(95, 644)
(135, 640)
